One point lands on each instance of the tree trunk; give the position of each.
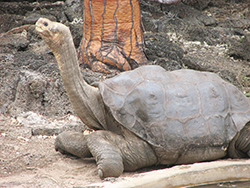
(112, 35)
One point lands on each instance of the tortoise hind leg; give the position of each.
(240, 145)
(73, 143)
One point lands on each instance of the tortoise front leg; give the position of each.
(115, 153)
(108, 157)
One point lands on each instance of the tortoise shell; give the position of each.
(177, 109)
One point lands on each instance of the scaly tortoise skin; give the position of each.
(149, 116)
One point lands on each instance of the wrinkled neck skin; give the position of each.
(86, 100)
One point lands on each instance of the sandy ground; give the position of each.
(31, 161)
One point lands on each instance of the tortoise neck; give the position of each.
(68, 64)
(82, 96)
(69, 68)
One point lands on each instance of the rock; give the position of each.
(15, 14)
(29, 92)
(161, 51)
(149, 24)
(33, 17)
(168, 64)
(195, 63)
(29, 81)
(16, 8)
(241, 48)
(200, 5)
(76, 29)
(14, 41)
(32, 119)
(151, 7)
(39, 48)
(8, 83)
(74, 10)
(6, 58)
(202, 62)
(9, 21)
(238, 23)
(41, 125)
(189, 14)
(190, 31)
(28, 60)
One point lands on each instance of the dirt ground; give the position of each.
(31, 161)
(27, 160)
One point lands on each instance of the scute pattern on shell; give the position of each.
(177, 109)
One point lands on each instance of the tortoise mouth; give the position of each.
(39, 29)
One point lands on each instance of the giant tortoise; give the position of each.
(149, 116)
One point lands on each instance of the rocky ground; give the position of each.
(207, 35)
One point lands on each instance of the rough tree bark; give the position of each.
(112, 35)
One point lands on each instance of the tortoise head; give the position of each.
(53, 33)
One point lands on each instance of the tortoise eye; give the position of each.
(45, 24)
